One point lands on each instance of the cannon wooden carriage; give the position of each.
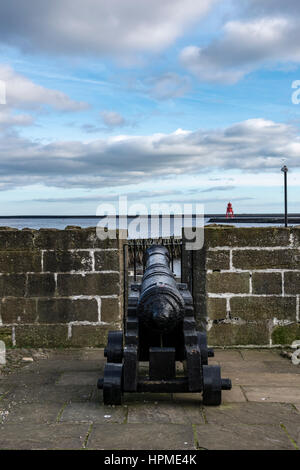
(160, 330)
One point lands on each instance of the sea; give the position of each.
(143, 227)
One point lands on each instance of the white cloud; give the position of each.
(112, 119)
(167, 86)
(9, 119)
(97, 26)
(255, 145)
(23, 93)
(266, 36)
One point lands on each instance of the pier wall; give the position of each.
(246, 285)
(59, 288)
(66, 288)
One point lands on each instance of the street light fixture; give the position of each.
(285, 170)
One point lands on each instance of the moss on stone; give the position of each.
(6, 336)
(286, 334)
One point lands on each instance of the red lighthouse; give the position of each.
(229, 211)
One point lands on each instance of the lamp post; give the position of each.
(285, 170)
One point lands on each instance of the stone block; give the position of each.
(13, 239)
(110, 309)
(250, 413)
(107, 260)
(40, 285)
(20, 261)
(6, 335)
(243, 437)
(18, 310)
(41, 336)
(62, 436)
(217, 260)
(230, 334)
(12, 285)
(48, 239)
(88, 284)
(89, 335)
(60, 310)
(140, 437)
(263, 308)
(237, 283)
(91, 412)
(246, 236)
(266, 259)
(292, 283)
(295, 231)
(266, 283)
(286, 334)
(67, 261)
(270, 394)
(216, 308)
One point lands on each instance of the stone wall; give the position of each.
(59, 288)
(65, 288)
(246, 285)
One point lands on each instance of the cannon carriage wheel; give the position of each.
(205, 351)
(114, 349)
(112, 384)
(212, 385)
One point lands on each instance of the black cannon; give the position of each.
(160, 329)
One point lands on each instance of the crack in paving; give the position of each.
(61, 412)
(290, 437)
(84, 445)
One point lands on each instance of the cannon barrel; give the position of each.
(161, 306)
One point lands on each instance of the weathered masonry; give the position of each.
(66, 288)
(59, 288)
(246, 285)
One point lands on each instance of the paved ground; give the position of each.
(53, 403)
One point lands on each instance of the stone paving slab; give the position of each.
(43, 436)
(243, 437)
(293, 431)
(4, 389)
(71, 365)
(261, 379)
(79, 378)
(236, 394)
(273, 394)
(147, 397)
(225, 355)
(29, 378)
(50, 394)
(230, 368)
(188, 398)
(263, 367)
(166, 413)
(276, 367)
(252, 413)
(261, 355)
(33, 413)
(91, 412)
(141, 437)
(91, 354)
(54, 403)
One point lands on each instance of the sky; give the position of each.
(160, 102)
